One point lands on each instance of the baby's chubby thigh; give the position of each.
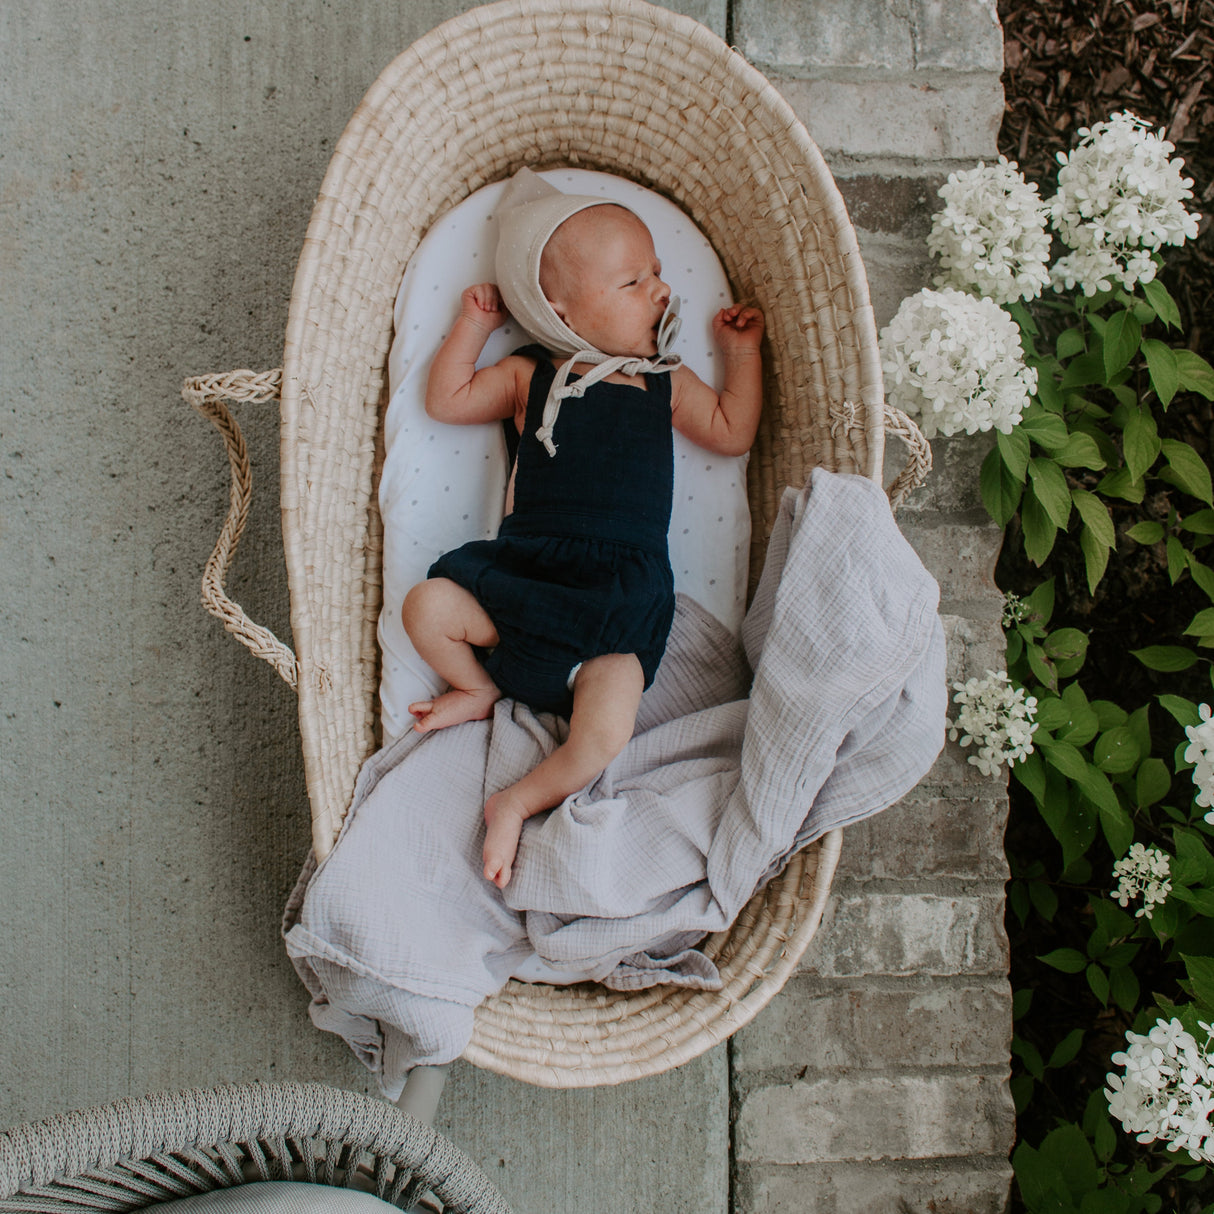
(440, 609)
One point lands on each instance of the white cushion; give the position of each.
(443, 485)
(279, 1197)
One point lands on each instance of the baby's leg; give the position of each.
(606, 695)
(444, 621)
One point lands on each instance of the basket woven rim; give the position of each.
(782, 193)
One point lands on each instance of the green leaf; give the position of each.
(1196, 375)
(1070, 819)
(1203, 575)
(1047, 430)
(1069, 343)
(1030, 1055)
(1200, 522)
(1120, 342)
(1168, 658)
(1120, 483)
(1039, 529)
(1189, 470)
(1042, 667)
(1068, 960)
(1201, 900)
(1184, 712)
(1117, 751)
(1049, 484)
(1161, 365)
(1096, 515)
(1083, 371)
(1123, 986)
(1151, 782)
(1140, 443)
(1068, 1149)
(1066, 648)
(1065, 758)
(1200, 971)
(1031, 773)
(1000, 489)
(1014, 448)
(1146, 532)
(1164, 305)
(1178, 558)
(1202, 624)
(1065, 1050)
(1114, 821)
(1098, 980)
(1041, 602)
(1042, 1182)
(1044, 899)
(1080, 451)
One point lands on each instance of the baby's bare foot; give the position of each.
(452, 707)
(504, 818)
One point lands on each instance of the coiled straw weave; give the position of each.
(627, 88)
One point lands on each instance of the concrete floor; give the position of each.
(158, 164)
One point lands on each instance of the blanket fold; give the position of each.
(398, 936)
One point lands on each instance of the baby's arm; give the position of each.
(456, 391)
(724, 423)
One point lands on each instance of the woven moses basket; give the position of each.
(630, 89)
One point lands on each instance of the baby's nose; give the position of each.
(661, 291)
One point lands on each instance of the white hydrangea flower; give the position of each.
(991, 236)
(1200, 752)
(1120, 197)
(997, 718)
(956, 363)
(1167, 1091)
(1143, 873)
(1015, 609)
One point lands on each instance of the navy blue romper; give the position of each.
(580, 566)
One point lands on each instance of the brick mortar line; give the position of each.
(811, 984)
(782, 1077)
(961, 1163)
(939, 79)
(847, 168)
(943, 887)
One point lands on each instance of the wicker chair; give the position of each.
(160, 1148)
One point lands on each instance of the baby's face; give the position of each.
(605, 281)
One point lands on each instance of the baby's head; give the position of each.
(602, 277)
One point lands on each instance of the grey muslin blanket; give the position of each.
(398, 936)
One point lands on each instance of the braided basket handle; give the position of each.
(206, 393)
(919, 459)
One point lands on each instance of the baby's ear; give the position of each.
(557, 307)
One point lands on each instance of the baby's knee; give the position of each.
(425, 604)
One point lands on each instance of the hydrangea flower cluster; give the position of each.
(1167, 1092)
(1143, 872)
(1200, 752)
(956, 363)
(997, 717)
(1015, 609)
(991, 236)
(1120, 197)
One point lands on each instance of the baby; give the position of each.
(568, 610)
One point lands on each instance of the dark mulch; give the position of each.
(1070, 63)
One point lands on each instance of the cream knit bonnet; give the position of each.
(529, 212)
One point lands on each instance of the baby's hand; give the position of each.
(738, 329)
(482, 305)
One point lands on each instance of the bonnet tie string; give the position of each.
(605, 365)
